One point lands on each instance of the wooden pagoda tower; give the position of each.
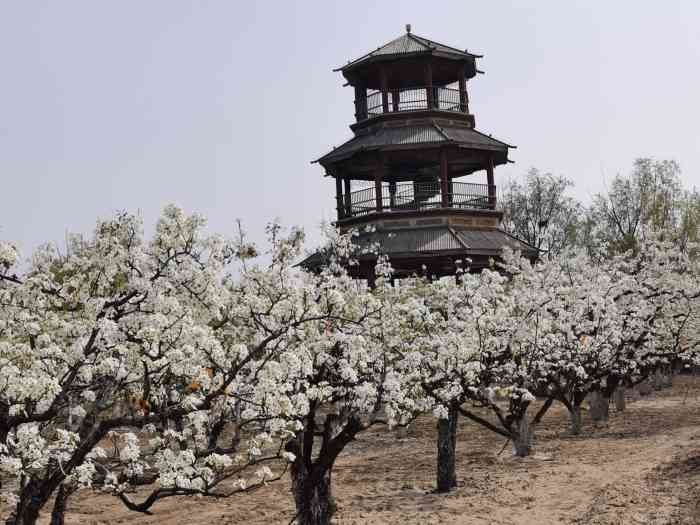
(409, 170)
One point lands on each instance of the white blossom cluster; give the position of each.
(126, 361)
(560, 329)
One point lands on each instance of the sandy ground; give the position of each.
(643, 468)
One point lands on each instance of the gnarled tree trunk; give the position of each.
(58, 514)
(32, 498)
(312, 496)
(446, 442)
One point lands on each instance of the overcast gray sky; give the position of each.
(221, 106)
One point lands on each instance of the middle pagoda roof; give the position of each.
(427, 134)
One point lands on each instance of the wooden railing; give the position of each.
(411, 99)
(404, 196)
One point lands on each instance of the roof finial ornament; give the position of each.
(408, 28)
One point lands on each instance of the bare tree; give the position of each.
(540, 212)
(649, 198)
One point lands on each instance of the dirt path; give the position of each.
(643, 468)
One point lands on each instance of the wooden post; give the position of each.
(378, 175)
(430, 102)
(339, 197)
(360, 103)
(385, 89)
(444, 175)
(392, 195)
(348, 197)
(395, 100)
(463, 96)
(490, 182)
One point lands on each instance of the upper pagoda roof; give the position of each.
(408, 44)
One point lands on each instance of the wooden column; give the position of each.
(360, 103)
(491, 183)
(444, 176)
(395, 100)
(429, 92)
(339, 197)
(463, 96)
(348, 198)
(385, 88)
(378, 176)
(392, 195)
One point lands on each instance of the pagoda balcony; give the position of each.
(434, 98)
(416, 196)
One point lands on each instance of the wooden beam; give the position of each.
(395, 100)
(444, 177)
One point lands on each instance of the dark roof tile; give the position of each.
(416, 134)
(407, 44)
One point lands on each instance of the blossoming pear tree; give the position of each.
(122, 339)
(656, 295)
(350, 370)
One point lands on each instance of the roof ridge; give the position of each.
(492, 138)
(459, 239)
(372, 53)
(430, 43)
(420, 40)
(518, 239)
(442, 131)
(427, 41)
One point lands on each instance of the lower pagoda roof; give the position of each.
(429, 134)
(433, 250)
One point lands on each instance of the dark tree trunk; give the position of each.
(600, 407)
(58, 514)
(667, 376)
(446, 442)
(36, 493)
(312, 496)
(179, 427)
(575, 423)
(632, 394)
(215, 432)
(619, 399)
(31, 500)
(522, 437)
(644, 388)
